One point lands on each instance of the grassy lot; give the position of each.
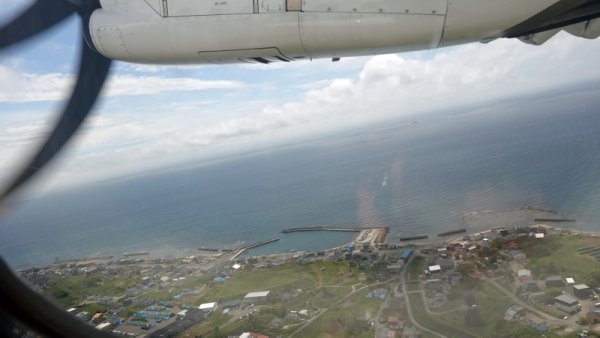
(283, 278)
(261, 322)
(348, 319)
(73, 288)
(314, 285)
(256, 280)
(319, 298)
(415, 268)
(423, 318)
(207, 328)
(413, 285)
(491, 306)
(556, 255)
(331, 273)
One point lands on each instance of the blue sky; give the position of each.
(153, 116)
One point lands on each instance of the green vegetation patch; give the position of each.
(558, 255)
(415, 267)
(282, 278)
(72, 289)
(424, 319)
(349, 318)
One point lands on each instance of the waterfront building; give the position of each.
(405, 255)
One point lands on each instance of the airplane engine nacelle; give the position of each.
(226, 31)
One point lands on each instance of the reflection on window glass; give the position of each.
(451, 192)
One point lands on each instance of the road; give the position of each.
(377, 319)
(408, 308)
(527, 306)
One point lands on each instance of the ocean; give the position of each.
(416, 175)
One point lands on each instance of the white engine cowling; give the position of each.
(225, 31)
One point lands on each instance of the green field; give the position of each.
(415, 267)
(423, 318)
(282, 278)
(315, 285)
(350, 318)
(556, 255)
(73, 289)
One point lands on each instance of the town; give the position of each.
(516, 281)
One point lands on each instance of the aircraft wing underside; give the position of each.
(580, 18)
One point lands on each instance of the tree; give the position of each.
(215, 332)
(472, 317)
(470, 299)
(550, 293)
(465, 268)
(60, 293)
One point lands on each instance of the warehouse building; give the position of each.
(208, 307)
(582, 291)
(258, 298)
(567, 303)
(554, 282)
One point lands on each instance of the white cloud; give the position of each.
(121, 85)
(31, 87)
(402, 84)
(384, 86)
(143, 68)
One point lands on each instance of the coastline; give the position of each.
(474, 224)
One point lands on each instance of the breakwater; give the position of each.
(214, 249)
(452, 232)
(141, 253)
(301, 229)
(412, 238)
(251, 246)
(554, 220)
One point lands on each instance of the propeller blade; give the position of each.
(40, 16)
(93, 70)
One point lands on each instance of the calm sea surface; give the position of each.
(414, 175)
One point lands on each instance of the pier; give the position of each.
(240, 251)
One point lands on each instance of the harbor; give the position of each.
(367, 236)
